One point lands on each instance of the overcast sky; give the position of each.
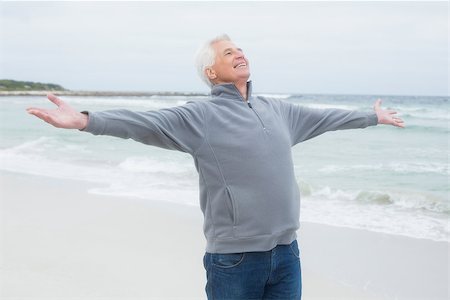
(397, 48)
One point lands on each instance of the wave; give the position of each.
(185, 196)
(148, 102)
(413, 214)
(30, 158)
(144, 164)
(403, 199)
(278, 96)
(136, 176)
(398, 167)
(428, 113)
(428, 129)
(330, 105)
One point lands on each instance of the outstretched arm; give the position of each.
(177, 128)
(306, 123)
(64, 116)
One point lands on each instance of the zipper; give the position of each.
(251, 107)
(256, 113)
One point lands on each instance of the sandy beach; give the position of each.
(60, 242)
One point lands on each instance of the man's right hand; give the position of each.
(62, 117)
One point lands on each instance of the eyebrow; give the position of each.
(229, 49)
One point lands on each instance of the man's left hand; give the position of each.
(386, 116)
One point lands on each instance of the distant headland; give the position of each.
(10, 87)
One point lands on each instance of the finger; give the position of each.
(398, 123)
(377, 104)
(41, 114)
(44, 115)
(32, 110)
(54, 99)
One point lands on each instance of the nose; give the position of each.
(239, 54)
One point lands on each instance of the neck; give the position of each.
(242, 88)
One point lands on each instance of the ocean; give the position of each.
(382, 178)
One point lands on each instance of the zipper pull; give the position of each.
(249, 104)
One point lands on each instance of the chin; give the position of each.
(245, 75)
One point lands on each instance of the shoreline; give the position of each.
(100, 93)
(59, 240)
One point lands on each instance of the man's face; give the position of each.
(230, 66)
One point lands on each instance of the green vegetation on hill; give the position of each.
(13, 85)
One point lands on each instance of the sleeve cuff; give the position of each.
(372, 119)
(95, 124)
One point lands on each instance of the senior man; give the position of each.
(241, 145)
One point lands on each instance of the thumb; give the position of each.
(377, 104)
(54, 99)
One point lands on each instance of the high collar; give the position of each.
(230, 91)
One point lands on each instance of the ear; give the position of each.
(211, 73)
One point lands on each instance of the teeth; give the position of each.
(240, 65)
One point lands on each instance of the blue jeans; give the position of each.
(274, 274)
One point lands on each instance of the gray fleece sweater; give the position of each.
(242, 151)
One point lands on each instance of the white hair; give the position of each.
(206, 57)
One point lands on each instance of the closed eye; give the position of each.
(229, 51)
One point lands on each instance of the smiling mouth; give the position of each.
(241, 65)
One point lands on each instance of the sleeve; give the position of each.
(177, 128)
(305, 123)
